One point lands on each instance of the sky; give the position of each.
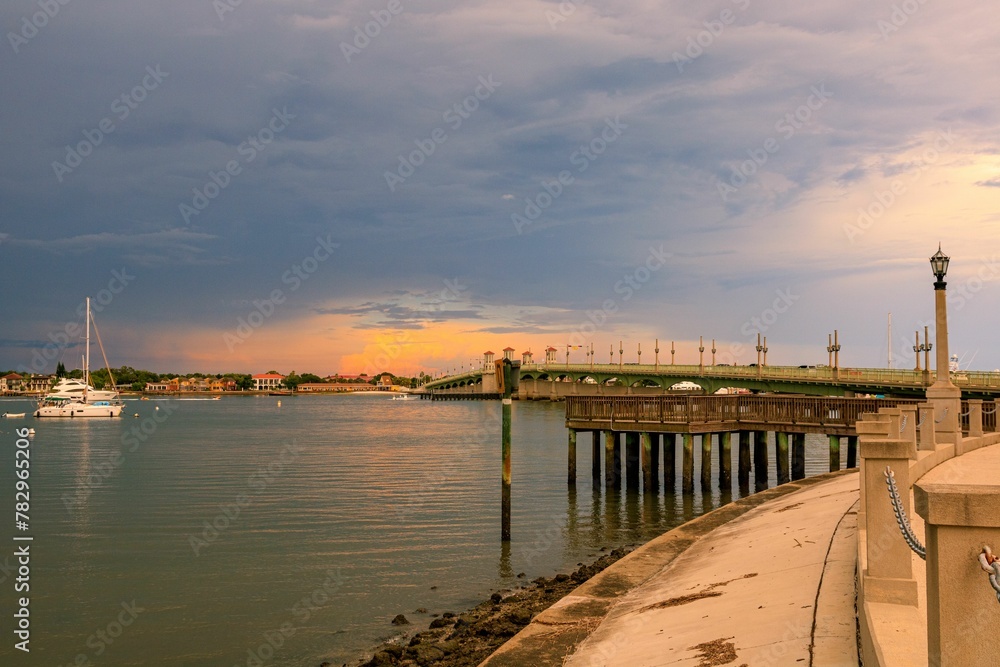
(377, 185)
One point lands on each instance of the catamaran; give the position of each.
(75, 398)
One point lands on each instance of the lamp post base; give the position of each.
(947, 401)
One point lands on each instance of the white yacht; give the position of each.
(76, 398)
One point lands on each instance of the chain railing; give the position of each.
(991, 564)
(900, 512)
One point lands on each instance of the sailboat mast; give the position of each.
(86, 358)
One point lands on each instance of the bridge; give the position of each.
(555, 380)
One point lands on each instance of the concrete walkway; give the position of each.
(767, 580)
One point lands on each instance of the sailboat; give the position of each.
(73, 398)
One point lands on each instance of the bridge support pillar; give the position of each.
(687, 472)
(595, 461)
(834, 452)
(646, 459)
(632, 461)
(725, 461)
(571, 456)
(706, 461)
(610, 448)
(743, 470)
(852, 451)
(781, 456)
(798, 455)
(760, 460)
(669, 461)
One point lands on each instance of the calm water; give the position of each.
(331, 515)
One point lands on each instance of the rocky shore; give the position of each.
(466, 639)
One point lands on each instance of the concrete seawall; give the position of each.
(765, 580)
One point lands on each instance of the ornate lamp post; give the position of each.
(621, 351)
(713, 351)
(917, 349)
(657, 351)
(701, 355)
(946, 397)
(672, 352)
(833, 347)
(759, 348)
(640, 354)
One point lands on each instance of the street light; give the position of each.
(946, 397)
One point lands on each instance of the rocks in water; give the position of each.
(521, 575)
(400, 620)
(440, 623)
(420, 610)
(496, 598)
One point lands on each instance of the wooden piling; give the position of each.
(632, 461)
(646, 459)
(781, 456)
(798, 456)
(595, 461)
(760, 460)
(744, 464)
(706, 461)
(687, 464)
(654, 461)
(834, 453)
(669, 461)
(571, 463)
(725, 460)
(505, 484)
(610, 438)
(852, 451)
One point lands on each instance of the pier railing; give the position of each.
(732, 411)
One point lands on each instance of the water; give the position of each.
(227, 532)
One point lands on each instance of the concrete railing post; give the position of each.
(958, 502)
(926, 421)
(888, 576)
(975, 417)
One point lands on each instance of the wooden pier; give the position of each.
(649, 428)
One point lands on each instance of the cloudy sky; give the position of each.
(360, 185)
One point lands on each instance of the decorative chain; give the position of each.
(991, 412)
(921, 422)
(991, 564)
(938, 421)
(902, 423)
(901, 520)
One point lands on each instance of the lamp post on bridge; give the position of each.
(657, 360)
(917, 350)
(713, 352)
(672, 352)
(621, 352)
(640, 354)
(927, 356)
(701, 355)
(833, 347)
(946, 397)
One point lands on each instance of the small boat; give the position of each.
(12, 415)
(76, 398)
(405, 397)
